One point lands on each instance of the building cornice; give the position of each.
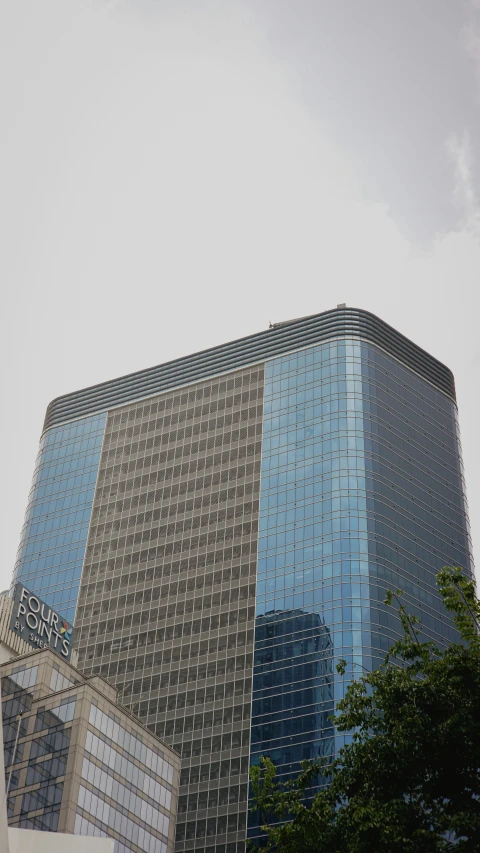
(271, 343)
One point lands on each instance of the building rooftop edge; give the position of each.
(277, 340)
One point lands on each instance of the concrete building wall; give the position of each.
(32, 841)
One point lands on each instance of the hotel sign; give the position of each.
(39, 625)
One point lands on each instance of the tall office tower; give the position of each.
(237, 516)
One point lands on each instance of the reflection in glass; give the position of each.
(361, 491)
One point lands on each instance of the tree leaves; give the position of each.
(408, 782)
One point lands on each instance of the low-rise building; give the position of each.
(78, 763)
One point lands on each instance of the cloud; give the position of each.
(459, 145)
(460, 150)
(165, 189)
(471, 36)
(103, 5)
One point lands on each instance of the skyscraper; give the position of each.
(230, 522)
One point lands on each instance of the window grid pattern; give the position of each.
(15, 700)
(46, 775)
(54, 717)
(58, 681)
(118, 764)
(86, 827)
(312, 539)
(24, 677)
(127, 770)
(125, 797)
(361, 490)
(45, 822)
(109, 726)
(95, 805)
(53, 539)
(170, 570)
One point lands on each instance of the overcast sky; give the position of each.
(177, 173)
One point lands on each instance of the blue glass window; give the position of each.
(361, 491)
(54, 535)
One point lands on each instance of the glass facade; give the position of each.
(313, 601)
(54, 535)
(416, 508)
(242, 533)
(361, 491)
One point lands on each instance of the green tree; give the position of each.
(408, 781)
